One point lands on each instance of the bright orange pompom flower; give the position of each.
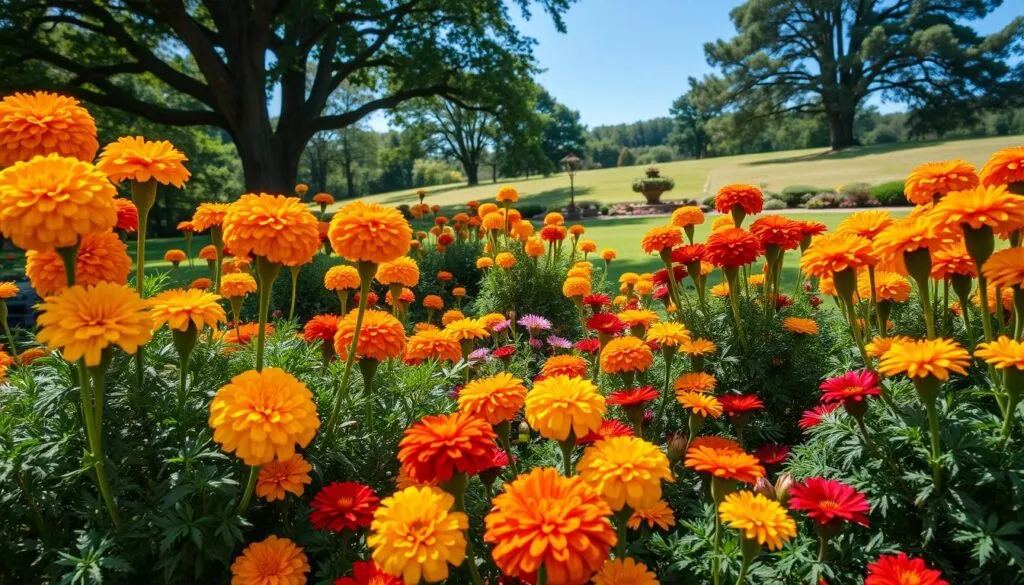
(732, 248)
(660, 238)
(724, 461)
(8, 290)
(53, 201)
(434, 302)
(182, 309)
(542, 518)
(778, 230)
(175, 256)
(433, 344)
(626, 354)
(749, 197)
(437, 447)
(127, 215)
(932, 180)
(137, 159)
(695, 382)
(279, 477)
(565, 365)
(687, 215)
(1005, 167)
(381, 336)
(921, 358)
(320, 328)
(102, 257)
(278, 228)
(362, 232)
(402, 270)
(273, 560)
(237, 285)
(323, 199)
(495, 399)
(341, 277)
(209, 215)
(576, 286)
(831, 253)
(909, 234)
(43, 123)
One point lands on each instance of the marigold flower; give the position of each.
(992, 206)
(1005, 167)
(777, 230)
(757, 518)
(889, 286)
(542, 518)
(866, 224)
(565, 365)
(484, 262)
(952, 259)
(182, 309)
(726, 461)
(626, 354)
(402, 270)
(909, 234)
(772, 454)
(83, 321)
(1005, 268)
(381, 336)
(800, 325)
(244, 333)
(660, 515)
(102, 257)
(748, 197)
(209, 215)
(699, 347)
(8, 290)
(699, 403)
(261, 416)
(434, 344)
(720, 290)
(278, 228)
(576, 287)
(853, 386)
(828, 501)
(588, 246)
(320, 328)
(137, 159)
(668, 334)
(343, 505)
(638, 317)
(633, 396)
(278, 477)
(624, 572)
(695, 382)
(323, 199)
(237, 285)
(534, 247)
(732, 247)
(608, 429)
(41, 123)
(451, 316)
(416, 535)
(127, 215)
(932, 180)
(879, 345)
(273, 560)
(433, 302)
(901, 570)
(368, 573)
(466, 329)
(495, 399)
(362, 232)
(812, 418)
(832, 253)
(738, 404)
(687, 215)
(439, 446)
(558, 405)
(341, 277)
(1002, 353)
(722, 222)
(175, 256)
(925, 357)
(660, 238)
(609, 254)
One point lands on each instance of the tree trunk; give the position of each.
(472, 172)
(346, 157)
(840, 129)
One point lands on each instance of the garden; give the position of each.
(351, 394)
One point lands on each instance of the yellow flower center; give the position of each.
(345, 502)
(828, 505)
(420, 532)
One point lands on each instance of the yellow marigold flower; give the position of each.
(565, 365)
(643, 287)
(491, 319)
(831, 253)
(261, 416)
(494, 221)
(52, 201)
(1005, 167)
(41, 123)
(626, 354)
(432, 344)
(699, 347)
(554, 218)
(402, 270)
(588, 246)
(909, 234)
(559, 405)
(609, 254)
(485, 208)
(660, 238)
(507, 194)
(992, 206)
(706, 268)
(800, 325)
(624, 572)
(626, 471)
(102, 257)
(638, 317)
(8, 290)
(182, 309)
(278, 228)
(578, 273)
(700, 403)
(534, 247)
(757, 518)
(695, 382)
(722, 222)
(451, 316)
(756, 279)
(466, 329)
(660, 515)
(925, 357)
(576, 287)
(137, 159)
(866, 224)
(889, 286)
(274, 560)
(495, 399)
(341, 277)
(278, 477)
(209, 215)
(720, 290)
(237, 285)
(381, 336)
(485, 262)
(668, 334)
(629, 278)
(542, 518)
(84, 321)
(505, 260)
(415, 535)
(1005, 268)
(1002, 353)
(362, 232)
(879, 345)
(687, 215)
(931, 180)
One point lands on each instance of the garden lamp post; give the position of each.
(571, 164)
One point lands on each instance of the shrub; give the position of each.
(662, 154)
(823, 201)
(890, 194)
(605, 210)
(529, 210)
(796, 194)
(772, 204)
(709, 201)
(312, 298)
(626, 157)
(460, 260)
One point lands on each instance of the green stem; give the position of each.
(295, 283)
(93, 405)
(364, 290)
(734, 301)
(542, 575)
(715, 561)
(567, 447)
(621, 522)
(933, 432)
(250, 486)
(658, 422)
(7, 332)
(267, 272)
(924, 296)
(852, 316)
(822, 549)
(743, 571)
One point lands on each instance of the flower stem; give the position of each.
(250, 486)
(621, 521)
(7, 331)
(92, 410)
(267, 272)
(567, 447)
(366, 272)
(658, 422)
(933, 432)
(295, 283)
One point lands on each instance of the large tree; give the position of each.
(219, 62)
(827, 56)
(691, 113)
(563, 132)
(454, 131)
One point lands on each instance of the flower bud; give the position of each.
(765, 488)
(524, 432)
(676, 447)
(783, 486)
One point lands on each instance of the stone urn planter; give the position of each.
(653, 185)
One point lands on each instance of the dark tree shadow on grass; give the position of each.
(848, 153)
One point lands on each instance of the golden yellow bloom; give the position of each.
(626, 354)
(41, 123)
(507, 194)
(722, 222)
(699, 347)
(1002, 296)
(660, 515)
(102, 257)
(494, 220)
(559, 405)
(992, 206)
(800, 325)
(695, 382)
(432, 344)
(237, 285)
(576, 287)
(932, 180)
(578, 273)
(668, 334)
(609, 254)
(720, 290)
(577, 230)
(638, 317)
(261, 416)
(687, 215)
(84, 321)
(889, 286)
(700, 403)
(1002, 353)
(369, 233)
(831, 253)
(554, 218)
(909, 234)
(381, 336)
(879, 345)
(274, 560)
(1005, 167)
(491, 319)
(495, 399)
(925, 357)
(278, 228)
(757, 518)
(416, 535)
(8, 290)
(52, 201)
(534, 247)
(643, 287)
(625, 471)
(451, 316)
(866, 224)
(466, 329)
(624, 572)
(137, 159)
(756, 280)
(660, 238)
(278, 477)
(402, 270)
(505, 260)
(341, 277)
(484, 262)
(209, 215)
(1005, 268)
(182, 309)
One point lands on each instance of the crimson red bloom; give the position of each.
(901, 570)
(498, 460)
(606, 323)
(660, 293)
(782, 301)
(850, 387)
(445, 239)
(734, 404)
(772, 454)
(733, 247)
(368, 573)
(588, 345)
(689, 254)
(607, 430)
(633, 397)
(344, 505)
(812, 418)
(661, 276)
(505, 351)
(828, 501)
(596, 302)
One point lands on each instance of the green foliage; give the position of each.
(529, 210)
(460, 259)
(774, 204)
(795, 195)
(312, 298)
(626, 158)
(823, 201)
(890, 194)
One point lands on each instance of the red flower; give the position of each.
(689, 254)
(660, 293)
(850, 387)
(901, 570)
(368, 573)
(782, 301)
(633, 397)
(608, 429)
(812, 228)
(814, 300)
(371, 299)
(606, 323)
(552, 233)
(127, 216)
(661, 276)
(828, 501)
(595, 302)
(438, 446)
(505, 351)
(812, 418)
(777, 230)
(734, 404)
(445, 239)
(588, 345)
(498, 460)
(772, 454)
(345, 505)
(322, 328)
(733, 247)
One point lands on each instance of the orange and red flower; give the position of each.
(828, 501)
(732, 248)
(902, 570)
(345, 505)
(438, 447)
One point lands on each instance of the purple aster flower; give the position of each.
(501, 326)
(536, 343)
(479, 355)
(559, 342)
(534, 323)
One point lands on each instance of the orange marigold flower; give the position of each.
(8, 290)
(451, 316)
(432, 344)
(625, 471)
(102, 257)
(1005, 268)
(1002, 353)
(444, 275)
(992, 206)
(638, 317)
(588, 246)
(687, 215)
(486, 208)
(879, 345)
(261, 416)
(320, 328)
(626, 354)
(1005, 167)
(732, 247)
(186, 227)
(137, 159)
(661, 237)
(565, 365)
(560, 405)
(27, 356)
(902, 570)
(724, 461)
(778, 230)
(748, 197)
(542, 518)
(832, 253)
(624, 571)
(439, 446)
(609, 254)
(952, 259)
(720, 290)
(237, 285)
(342, 277)
(505, 260)
(41, 123)
(700, 403)
(534, 247)
(84, 321)
(484, 262)
(466, 329)
(381, 336)
(699, 347)
(433, 302)
(909, 234)
(278, 228)
(800, 325)
(695, 382)
(402, 270)
(127, 215)
(925, 357)
(209, 215)
(244, 333)
(889, 286)
(495, 399)
(208, 253)
(757, 518)
(494, 221)
(323, 199)
(182, 309)
(175, 256)
(52, 201)
(278, 477)
(722, 222)
(201, 283)
(368, 573)
(932, 180)
(576, 287)
(660, 515)
(554, 218)
(273, 560)
(368, 232)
